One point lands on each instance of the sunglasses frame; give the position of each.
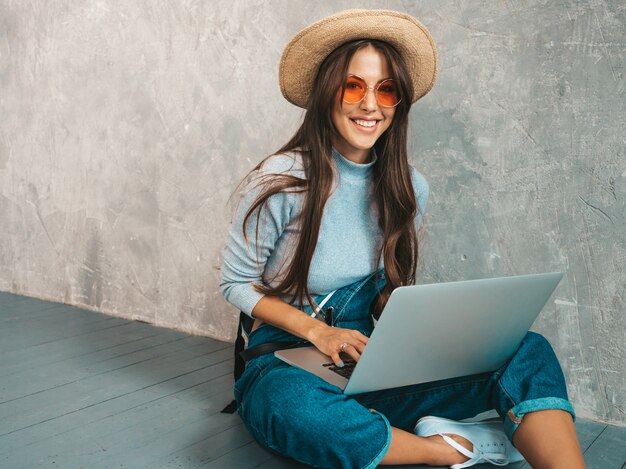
(367, 88)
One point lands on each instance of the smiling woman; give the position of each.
(331, 219)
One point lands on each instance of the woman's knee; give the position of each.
(296, 415)
(286, 401)
(534, 371)
(535, 351)
(536, 340)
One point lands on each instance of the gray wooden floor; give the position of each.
(80, 389)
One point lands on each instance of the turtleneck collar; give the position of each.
(352, 169)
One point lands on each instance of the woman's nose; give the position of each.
(369, 100)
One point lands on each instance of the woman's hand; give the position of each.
(326, 339)
(332, 340)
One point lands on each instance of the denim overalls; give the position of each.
(297, 414)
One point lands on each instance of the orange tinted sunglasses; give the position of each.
(386, 91)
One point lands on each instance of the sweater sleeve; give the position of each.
(244, 260)
(421, 188)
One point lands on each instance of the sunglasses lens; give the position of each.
(355, 90)
(388, 95)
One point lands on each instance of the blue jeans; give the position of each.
(297, 414)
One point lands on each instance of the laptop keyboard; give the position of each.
(348, 366)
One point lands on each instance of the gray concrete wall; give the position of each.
(125, 125)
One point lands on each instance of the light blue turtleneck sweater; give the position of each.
(349, 236)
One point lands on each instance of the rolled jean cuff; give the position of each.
(514, 416)
(381, 454)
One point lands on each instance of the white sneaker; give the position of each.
(491, 445)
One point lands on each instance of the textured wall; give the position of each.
(125, 125)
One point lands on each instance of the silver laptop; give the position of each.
(439, 331)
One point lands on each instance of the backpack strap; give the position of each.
(245, 326)
(269, 347)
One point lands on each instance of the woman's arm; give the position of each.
(244, 261)
(245, 256)
(326, 339)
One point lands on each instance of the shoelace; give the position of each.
(476, 456)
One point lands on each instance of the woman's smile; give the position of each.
(366, 125)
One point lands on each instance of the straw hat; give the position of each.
(306, 51)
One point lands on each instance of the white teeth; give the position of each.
(365, 123)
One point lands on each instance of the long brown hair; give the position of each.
(393, 191)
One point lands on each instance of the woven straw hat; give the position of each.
(307, 50)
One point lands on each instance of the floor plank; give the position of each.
(10, 302)
(17, 360)
(19, 339)
(81, 389)
(608, 450)
(244, 458)
(587, 432)
(56, 373)
(110, 380)
(123, 343)
(198, 389)
(203, 451)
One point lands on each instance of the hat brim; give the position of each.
(306, 51)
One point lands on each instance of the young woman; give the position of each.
(332, 218)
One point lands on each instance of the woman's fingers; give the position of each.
(360, 346)
(353, 352)
(354, 341)
(348, 349)
(360, 337)
(336, 359)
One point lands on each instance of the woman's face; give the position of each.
(355, 139)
